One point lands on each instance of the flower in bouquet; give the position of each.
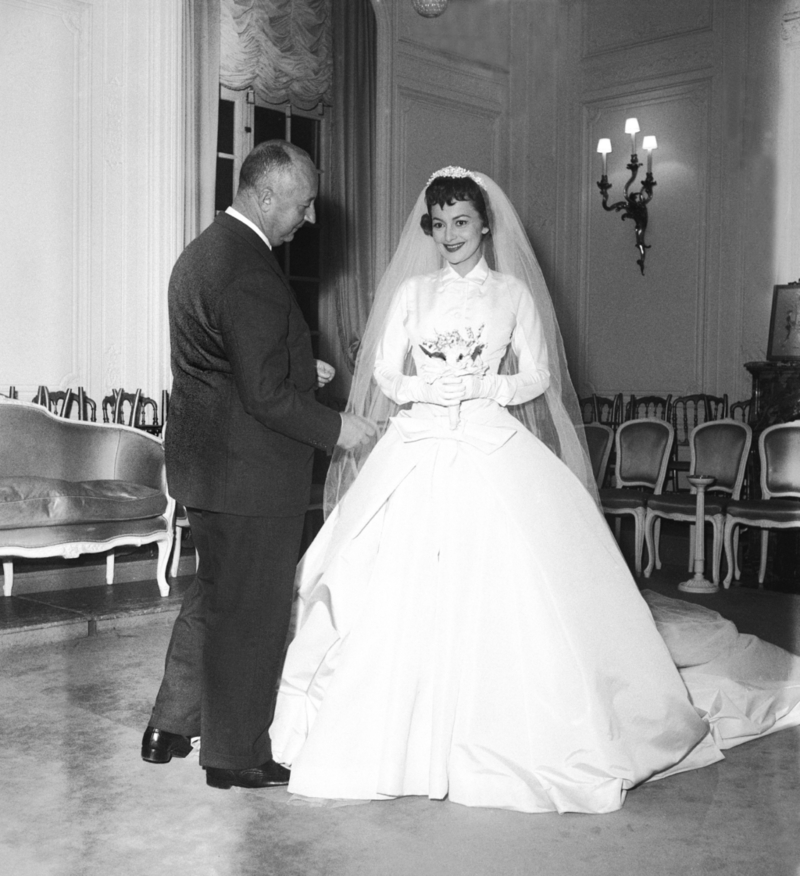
(454, 353)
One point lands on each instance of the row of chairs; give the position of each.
(719, 449)
(127, 408)
(683, 412)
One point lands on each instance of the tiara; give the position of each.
(457, 173)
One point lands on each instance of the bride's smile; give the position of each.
(458, 230)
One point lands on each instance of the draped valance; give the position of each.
(279, 48)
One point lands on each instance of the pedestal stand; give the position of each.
(699, 583)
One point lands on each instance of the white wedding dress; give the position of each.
(467, 627)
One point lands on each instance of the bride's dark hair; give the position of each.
(449, 189)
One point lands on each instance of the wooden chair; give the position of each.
(688, 411)
(656, 406)
(587, 409)
(85, 407)
(719, 449)
(608, 410)
(643, 451)
(779, 452)
(740, 410)
(12, 392)
(599, 440)
(130, 409)
(717, 407)
(53, 400)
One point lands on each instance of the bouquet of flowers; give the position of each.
(455, 353)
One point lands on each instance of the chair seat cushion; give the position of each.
(686, 503)
(776, 510)
(33, 501)
(616, 499)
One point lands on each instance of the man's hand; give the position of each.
(355, 430)
(325, 373)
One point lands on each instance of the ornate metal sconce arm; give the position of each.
(634, 206)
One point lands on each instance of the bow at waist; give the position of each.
(484, 438)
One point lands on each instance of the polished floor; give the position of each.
(78, 673)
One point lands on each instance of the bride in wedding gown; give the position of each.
(467, 627)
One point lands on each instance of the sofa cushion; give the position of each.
(34, 501)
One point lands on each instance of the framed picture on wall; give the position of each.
(784, 324)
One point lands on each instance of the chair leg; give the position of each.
(8, 577)
(730, 554)
(650, 522)
(717, 524)
(638, 520)
(164, 549)
(736, 569)
(658, 542)
(691, 546)
(110, 568)
(762, 566)
(176, 551)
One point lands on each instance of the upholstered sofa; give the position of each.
(69, 488)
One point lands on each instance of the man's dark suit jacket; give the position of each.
(243, 421)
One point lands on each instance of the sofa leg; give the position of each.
(8, 577)
(176, 551)
(164, 550)
(110, 568)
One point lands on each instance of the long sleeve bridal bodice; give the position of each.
(483, 304)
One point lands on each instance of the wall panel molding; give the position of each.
(610, 25)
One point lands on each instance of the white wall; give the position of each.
(90, 156)
(717, 82)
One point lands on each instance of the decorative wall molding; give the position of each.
(790, 28)
(666, 60)
(609, 25)
(674, 289)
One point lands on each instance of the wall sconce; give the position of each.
(430, 8)
(635, 203)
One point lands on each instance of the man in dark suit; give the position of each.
(243, 426)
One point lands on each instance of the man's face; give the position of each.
(291, 203)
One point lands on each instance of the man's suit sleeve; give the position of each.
(257, 321)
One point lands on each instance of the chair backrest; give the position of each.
(599, 440)
(649, 406)
(84, 407)
(643, 449)
(587, 409)
(719, 449)
(54, 400)
(717, 407)
(779, 449)
(740, 410)
(608, 410)
(688, 411)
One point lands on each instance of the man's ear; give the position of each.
(265, 194)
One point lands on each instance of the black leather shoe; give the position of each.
(268, 775)
(159, 746)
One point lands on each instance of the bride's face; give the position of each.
(458, 232)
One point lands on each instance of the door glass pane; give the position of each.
(304, 135)
(225, 129)
(269, 125)
(223, 197)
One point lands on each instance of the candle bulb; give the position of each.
(604, 147)
(649, 144)
(631, 127)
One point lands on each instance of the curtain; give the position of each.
(201, 101)
(279, 48)
(347, 215)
